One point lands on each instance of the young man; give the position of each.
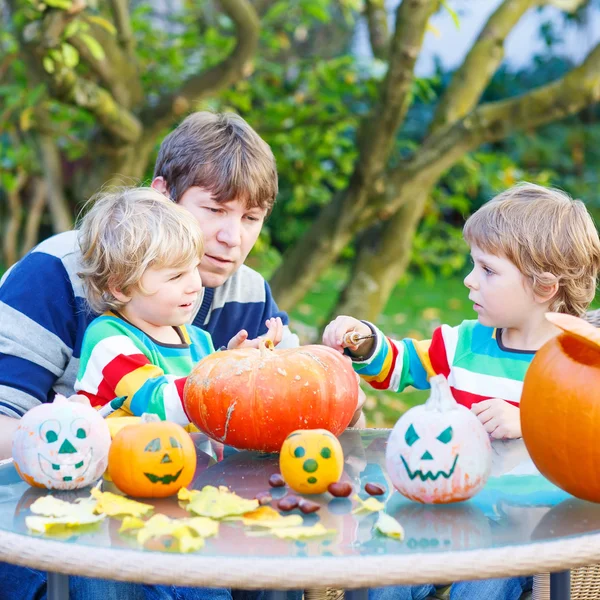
(219, 169)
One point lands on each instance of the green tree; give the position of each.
(385, 197)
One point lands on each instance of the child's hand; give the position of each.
(335, 334)
(274, 333)
(499, 418)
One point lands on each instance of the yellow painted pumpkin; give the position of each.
(311, 459)
(152, 459)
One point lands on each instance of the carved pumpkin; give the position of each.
(62, 445)
(310, 460)
(559, 405)
(253, 399)
(438, 452)
(152, 459)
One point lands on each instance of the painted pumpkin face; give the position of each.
(152, 459)
(62, 445)
(310, 460)
(438, 452)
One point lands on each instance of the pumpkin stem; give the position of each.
(265, 346)
(149, 418)
(441, 398)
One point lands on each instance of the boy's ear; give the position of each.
(547, 287)
(160, 185)
(117, 293)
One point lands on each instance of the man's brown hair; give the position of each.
(221, 153)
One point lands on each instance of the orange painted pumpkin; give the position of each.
(254, 398)
(559, 408)
(152, 459)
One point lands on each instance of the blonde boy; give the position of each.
(141, 255)
(534, 250)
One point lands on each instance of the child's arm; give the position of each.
(500, 419)
(336, 336)
(274, 333)
(116, 363)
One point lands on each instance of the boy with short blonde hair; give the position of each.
(534, 250)
(141, 255)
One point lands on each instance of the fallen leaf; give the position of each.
(114, 505)
(368, 505)
(298, 533)
(387, 525)
(56, 524)
(219, 503)
(276, 523)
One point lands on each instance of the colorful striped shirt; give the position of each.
(44, 315)
(118, 359)
(471, 356)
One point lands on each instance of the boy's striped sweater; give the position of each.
(118, 359)
(471, 356)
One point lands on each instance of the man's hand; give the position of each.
(274, 333)
(334, 335)
(499, 418)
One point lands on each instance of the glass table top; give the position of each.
(517, 506)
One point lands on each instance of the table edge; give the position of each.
(347, 572)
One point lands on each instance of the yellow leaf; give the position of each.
(131, 523)
(47, 524)
(300, 533)
(387, 525)
(103, 23)
(275, 523)
(368, 505)
(202, 526)
(433, 29)
(49, 506)
(262, 513)
(26, 118)
(187, 534)
(186, 495)
(219, 503)
(112, 505)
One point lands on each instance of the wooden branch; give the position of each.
(34, 214)
(113, 117)
(482, 61)
(232, 68)
(496, 120)
(471, 78)
(15, 216)
(379, 36)
(378, 133)
(120, 10)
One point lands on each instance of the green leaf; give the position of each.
(48, 64)
(70, 55)
(104, 23)
(452, 13)
(71, 29)
(93, 46)
(62, 4)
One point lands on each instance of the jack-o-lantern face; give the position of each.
(152, 459)
(438, 452)
(310, 460)
(63, 445)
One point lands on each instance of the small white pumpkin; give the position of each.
(62, 445)
(439, 452)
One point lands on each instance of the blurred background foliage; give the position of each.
(307, 92)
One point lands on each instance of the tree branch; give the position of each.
(496, 120)
(113, 117)
(378, 27)
(234, 67)
(482, 61)
(120, 10)
(34, 214)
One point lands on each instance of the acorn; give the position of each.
(341, 489)
(374, 489)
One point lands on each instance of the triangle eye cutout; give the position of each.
(411, 436)
(446, 435)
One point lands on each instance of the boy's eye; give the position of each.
(487, 271)
(175, 277)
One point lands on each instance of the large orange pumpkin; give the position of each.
(560, 419)
(253, 398)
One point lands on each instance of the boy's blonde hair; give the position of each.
(124, 232)
(221, 153)
(542, 230)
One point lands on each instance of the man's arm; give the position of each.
(37, 331)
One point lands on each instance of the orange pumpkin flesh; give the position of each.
(152, 459)
(560, 408)
(253, 398)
